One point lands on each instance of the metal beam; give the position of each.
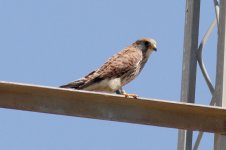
(220, 89)
(191, 33)
(112, 107)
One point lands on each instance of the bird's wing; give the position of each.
(121, 64)
(117, 66)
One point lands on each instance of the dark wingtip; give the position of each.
(65, 86)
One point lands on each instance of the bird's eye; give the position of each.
(146, 43)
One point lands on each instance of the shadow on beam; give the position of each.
(112, 107)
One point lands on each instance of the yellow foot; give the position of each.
(130, 95)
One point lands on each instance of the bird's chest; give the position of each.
(106, 85)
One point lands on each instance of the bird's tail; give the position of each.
(75, 84)
(80, 83)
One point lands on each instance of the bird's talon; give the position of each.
(130, 95)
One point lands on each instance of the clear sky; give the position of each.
(52, 42)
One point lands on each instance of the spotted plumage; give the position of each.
(119, 70)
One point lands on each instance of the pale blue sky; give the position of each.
(52, 42)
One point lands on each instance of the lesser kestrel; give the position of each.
(119, 70)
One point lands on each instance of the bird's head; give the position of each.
(147, 45)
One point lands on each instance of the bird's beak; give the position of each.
(154, 47)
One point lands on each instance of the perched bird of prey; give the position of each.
(119, 70)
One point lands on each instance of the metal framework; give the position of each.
(112, 107)
(182, 115)
(192, 55)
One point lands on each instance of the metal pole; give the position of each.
(189, 65)
(220, 88)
